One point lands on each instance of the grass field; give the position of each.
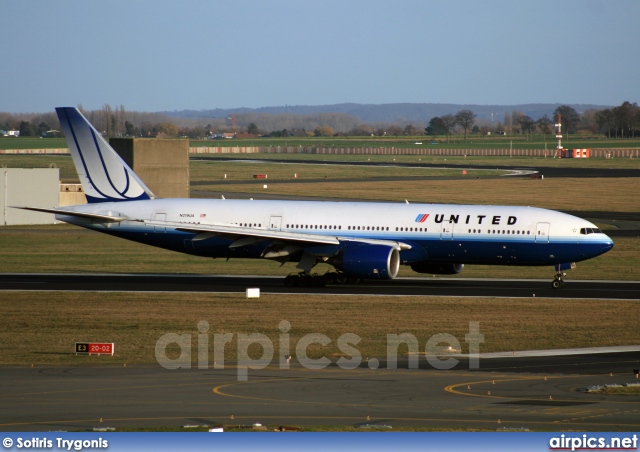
(469, 161)
(623, 391)
(236, 170)
(610, 194)
(455, 142)
(214, 170)
(208, 170)
(32, 143)
(41, 328)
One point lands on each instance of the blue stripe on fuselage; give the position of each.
(475, 250)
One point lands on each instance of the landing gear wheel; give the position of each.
(291, 280)
(558, 282)
(317, 281)
(305, 280)
(330, 277)
(341, 278)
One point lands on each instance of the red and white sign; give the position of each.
(95, 348)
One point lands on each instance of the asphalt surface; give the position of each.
(540, 393)
(449, 287)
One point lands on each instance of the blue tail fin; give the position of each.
(105, 177)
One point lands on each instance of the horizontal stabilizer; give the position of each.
(71, 213)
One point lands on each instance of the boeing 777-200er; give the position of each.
(360, 240)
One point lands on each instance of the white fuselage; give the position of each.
(436, 232)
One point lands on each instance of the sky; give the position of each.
(159, 55)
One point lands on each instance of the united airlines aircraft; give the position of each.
(360, 240)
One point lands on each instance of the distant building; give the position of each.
(163, 165)
(10, 133)
(221, 136)
(576, 153)
(28, 187)
(160, 135)
(245, 136)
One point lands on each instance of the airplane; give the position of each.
(361, 240)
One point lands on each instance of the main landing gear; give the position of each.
(303, 279)
(558, 282)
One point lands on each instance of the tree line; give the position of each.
(618, 122)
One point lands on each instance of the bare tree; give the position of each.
(526, 124)
(121, 118)
(465, 119)
(570, 118)
(394, 131)
(449, 122)
(105, 121)
(605, 121)
(545, 124)
(507, 127)
(626, 118)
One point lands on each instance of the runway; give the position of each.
(540, 393)
(448, 287)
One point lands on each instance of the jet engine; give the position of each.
(368, 261)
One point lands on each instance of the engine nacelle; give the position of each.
(437, 269)
(368, 261)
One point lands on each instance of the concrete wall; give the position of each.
(31, 187)
(72, 195)
(163, 165)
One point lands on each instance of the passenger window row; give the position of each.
(498, 231)
(312, 226)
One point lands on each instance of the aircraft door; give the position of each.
(446, 231)
(542, 233)
(275, 223)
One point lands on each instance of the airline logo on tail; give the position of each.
(104, 175)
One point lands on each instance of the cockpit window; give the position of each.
(585, 231)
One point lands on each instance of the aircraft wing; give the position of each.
(92, 216)
(205, 231)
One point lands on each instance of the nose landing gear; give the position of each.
(558, 282)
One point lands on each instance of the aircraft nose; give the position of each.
(605, 245)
